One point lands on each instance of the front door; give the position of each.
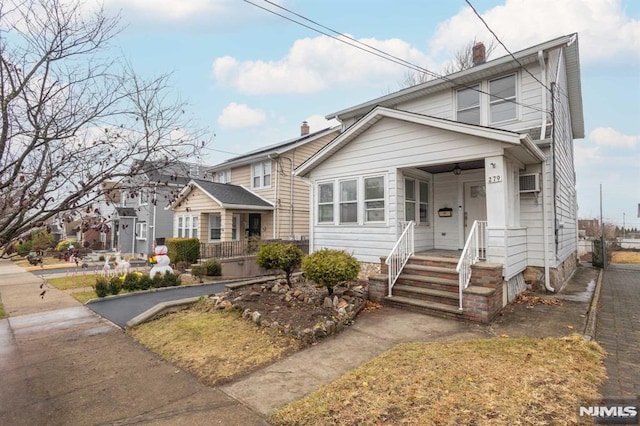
(255, 225)
(475, 204)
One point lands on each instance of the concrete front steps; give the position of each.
(429, 285)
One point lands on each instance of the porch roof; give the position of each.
(228, 196)
(528, 149)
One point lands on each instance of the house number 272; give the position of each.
(495, 179)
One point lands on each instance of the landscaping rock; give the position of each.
(327, 303)
(256, 317)
(225, 304)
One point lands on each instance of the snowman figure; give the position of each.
(162, 260)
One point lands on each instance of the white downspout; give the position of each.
(133, 243)
(545, 230)
(543, 79)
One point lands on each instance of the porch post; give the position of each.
(496, 181)
(226, 218)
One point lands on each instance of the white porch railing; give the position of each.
(401, 252)
(474, 249)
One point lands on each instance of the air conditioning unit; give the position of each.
(530, 183)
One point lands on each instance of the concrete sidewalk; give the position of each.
(618, 330)
(61, 364)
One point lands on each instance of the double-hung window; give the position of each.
(502, 106)
(349, 201)
(416, 201)
(261, 174)
(223, 176)
(187, 226)
(374, 199)
(325, 203)
(215, 226)
(144, 197)
(468, 103)
(409, 199)
(141, 231)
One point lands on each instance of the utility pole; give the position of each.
(623, 226)
(602, 236)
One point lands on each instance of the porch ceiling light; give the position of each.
(456, 169)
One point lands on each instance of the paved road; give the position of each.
(121, 309)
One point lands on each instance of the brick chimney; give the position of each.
(304, 129)
(479, 53)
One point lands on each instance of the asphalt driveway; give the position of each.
(120, 309)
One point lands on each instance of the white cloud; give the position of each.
(608, 137)
(312, 64)
(604, 29)
(238, 116)
(318, 122)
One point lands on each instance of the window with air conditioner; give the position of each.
(530, 183)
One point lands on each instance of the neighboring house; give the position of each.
(493, 144)
(253, 195)
(141, 213)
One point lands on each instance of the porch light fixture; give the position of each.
(456, 169)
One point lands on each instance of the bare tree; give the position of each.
(462, 60)
(71, 118)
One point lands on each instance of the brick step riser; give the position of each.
(421, 309)
(433, 286)
(426, 297)
(436, 263)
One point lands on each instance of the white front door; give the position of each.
(475, 204)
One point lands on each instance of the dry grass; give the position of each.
(72, 282)
(625, 257)
(494, 381)
(215, 346)
(84, 296)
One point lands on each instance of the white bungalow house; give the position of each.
(477, 165)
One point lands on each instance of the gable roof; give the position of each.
(378, 113)
(487, 70)
(226, 195)
(279, 148)
(176, 173)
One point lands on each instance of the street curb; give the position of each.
(162, 308)
(592, 319)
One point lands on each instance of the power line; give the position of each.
(382, 54)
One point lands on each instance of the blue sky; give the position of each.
(253, 77)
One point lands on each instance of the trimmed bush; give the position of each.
(330, 267)
(170, 280)
(212, 268)
(115, 285)
(102, 287)
(23, 249)
(285, 257)
(131, 281)
(183, 249)
(145, 282)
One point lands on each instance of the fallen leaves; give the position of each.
(526, 298)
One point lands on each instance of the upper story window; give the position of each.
(261, 174)
(468, 101)
(325, 202)
(502, 105)
(144, 197)
(223, 176)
